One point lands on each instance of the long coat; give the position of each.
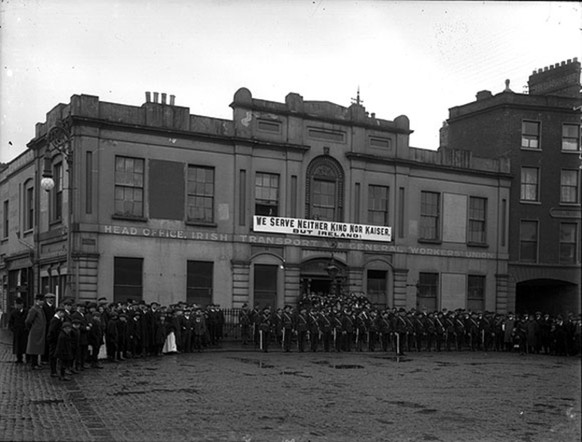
(36, 324)
(16, 324)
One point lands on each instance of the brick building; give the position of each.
(150, 202)
(539, 132)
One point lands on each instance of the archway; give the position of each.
(320, 278)
(547, 296)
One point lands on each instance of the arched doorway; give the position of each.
(547, 296)
(322, 276)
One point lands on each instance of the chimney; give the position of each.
(163, 98)
(156, 97)
(148, 97)
(483, 95)
(560, 79)
(172, 100)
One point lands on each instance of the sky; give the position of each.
(407, 58)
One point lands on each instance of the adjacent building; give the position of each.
(539, 132)
(150, 202)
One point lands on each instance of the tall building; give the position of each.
(150, 202)
(539, 132)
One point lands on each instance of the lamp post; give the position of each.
(58, 141)
(333, 271)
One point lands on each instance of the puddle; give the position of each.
(48, 401)
(321, 362)
(348, 366)
(427, 411)
(260, 364)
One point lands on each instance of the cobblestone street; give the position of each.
(235, 395)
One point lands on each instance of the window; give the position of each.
(28, 206)
(571, 137)
(528, 241)
(568, 242)
(129, 183)
(378, 205)
(199, 282)
(569, 186)
(530, 134)
(266, 194)
(57, 193)
(377, 287)
(5, 220)
(429, 215)
(265, 285)
(529, 184)
(427, 290)
(477, 218)
(476, 293)
(127, 279)
(201, 194)
(324, 189)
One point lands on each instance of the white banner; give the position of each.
(328, 229)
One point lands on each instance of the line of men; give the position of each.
(73, 336)
(362, 327)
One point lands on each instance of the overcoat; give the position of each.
(36, 324)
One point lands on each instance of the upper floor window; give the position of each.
(266, 194)
(529, 184)
(476, 293)
(429, 215)
(28, 205)
(571, 137)
(568, 242)
(5, 219)
(378, 205)
(570, 186)
(57, 193)
(324, 189)
(530, 134)
(200, 194)
(477, 219)
(129, 186)
(528, 241)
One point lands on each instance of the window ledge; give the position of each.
(28, 232)
(429, 241)
(482, 245)
(201, 224)
(139, 219)
(533, 203)
(577, 152)
(532, 149)
(55, 222)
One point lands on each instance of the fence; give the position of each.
(231, 329)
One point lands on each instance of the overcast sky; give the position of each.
(412, 58)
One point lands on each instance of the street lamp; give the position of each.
(333, 271)
(58, 139)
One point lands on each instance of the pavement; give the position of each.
(236, 393)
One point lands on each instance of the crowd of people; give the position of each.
(73, 336)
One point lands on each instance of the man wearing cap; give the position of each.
(64, 349)
(83, 349)
(287, 327)
(36, 325)
(95, 339)
(49, 311)
(265, 329)
(17, 325)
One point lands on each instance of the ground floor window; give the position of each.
(199, 282)
(428, 287)
(377, 287)
(127, 279)
(265, 292)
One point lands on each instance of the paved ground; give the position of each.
(234, 395)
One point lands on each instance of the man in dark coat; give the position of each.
(17, 325)
(36, 325)
(49, 309)
(95, 338)
(54, 330)
(83, 350)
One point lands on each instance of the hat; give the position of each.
(50, 295)
(102, 300)
(39, 297)
(19, 301)
(59, 309)
(155, 303)
(76, 321)
(66, 324)
(67, 301)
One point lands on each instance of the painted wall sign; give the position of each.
(314, 243)
(329, 229)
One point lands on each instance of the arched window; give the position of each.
(324, 190)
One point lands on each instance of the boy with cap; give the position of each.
(54, 329)
(17, 325)
(64, 350)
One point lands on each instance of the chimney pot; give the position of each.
(148, 97)
(172, 100)
(156, 97)
(163, 98)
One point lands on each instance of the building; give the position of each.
(150, 202)
(539, 132)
